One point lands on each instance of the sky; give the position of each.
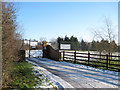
(53, 19)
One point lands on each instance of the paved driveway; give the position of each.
(80, 76)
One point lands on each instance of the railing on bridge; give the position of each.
(110, 62)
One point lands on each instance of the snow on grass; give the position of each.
(45, 83)
(55, 80)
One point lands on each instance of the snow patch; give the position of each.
(84, 66)
(57, 81)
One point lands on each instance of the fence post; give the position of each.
(106, 61)
(75, 57)
(88, 58)
(109, 59)
(118, 70)
(63, 55)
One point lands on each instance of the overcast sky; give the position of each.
(53, 19)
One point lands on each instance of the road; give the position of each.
(79, 76)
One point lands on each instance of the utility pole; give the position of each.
(29, 48)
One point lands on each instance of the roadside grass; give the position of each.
(23, 77)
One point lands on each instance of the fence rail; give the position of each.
(96, 60)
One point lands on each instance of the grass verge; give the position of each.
(23, 76)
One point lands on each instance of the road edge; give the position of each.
(57, 80)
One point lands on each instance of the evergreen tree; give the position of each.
(59, 40)
(72, 39)
(66, 38)
(74, 42)
(83, 45)
(93, 46)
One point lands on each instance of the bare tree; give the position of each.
(42, 39)
(53, 40)
(106, 33)
(10, 40)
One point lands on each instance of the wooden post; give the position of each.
(109, 59)
(75, 56)
(118, 70)
(63, 55)
(100, 56)
(106, 61)
(88, 58)
(29, 48)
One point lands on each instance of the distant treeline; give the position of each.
(103, 45)
(100, 46)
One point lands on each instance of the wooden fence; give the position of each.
(109, 62)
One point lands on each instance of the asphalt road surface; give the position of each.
(79, 76)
